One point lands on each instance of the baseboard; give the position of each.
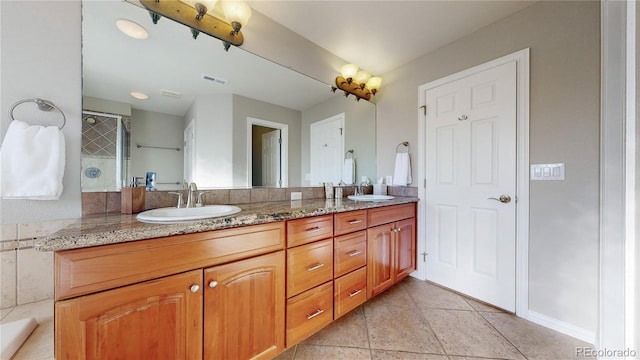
(562, 327)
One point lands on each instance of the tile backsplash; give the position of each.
(26, 275)
(109, 202)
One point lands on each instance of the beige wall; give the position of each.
(43, 60)
(157, 129)
(564, 38)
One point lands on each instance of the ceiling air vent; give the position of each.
(216, 80)
(171, 94)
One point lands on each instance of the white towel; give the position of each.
(32, 158)
(402, 171)
(349, 171)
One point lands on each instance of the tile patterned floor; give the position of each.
(419, 320)
(39, 345)
(414, 320)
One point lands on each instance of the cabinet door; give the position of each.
(405, 248)
(244, 308)
(380, 260)
(158, 319)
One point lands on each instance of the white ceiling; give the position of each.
(377, 35)
(382, 35)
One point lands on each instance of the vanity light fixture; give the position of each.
(138, 95)
(132, 29)
(199, 16)
(359, 83)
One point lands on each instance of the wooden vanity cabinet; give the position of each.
(391, 249)
(157, 319)
(244, 308)
(218, 294)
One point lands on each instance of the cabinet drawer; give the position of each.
(348, 222)
(303, 231)
(309, 266)
(309, 312)
(350, 252)
(385, 215)
(349, 292)
(87, 270)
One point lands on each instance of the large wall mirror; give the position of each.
(220, 119)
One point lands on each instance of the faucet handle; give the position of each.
(179, 205)
(200, 202)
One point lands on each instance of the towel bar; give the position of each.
(404, 143)
(43, 105)
(157, 147)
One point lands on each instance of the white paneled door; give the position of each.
(271, 159)
(327, 150)
(471, 185)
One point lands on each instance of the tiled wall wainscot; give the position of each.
(109, 201)
(26, 275)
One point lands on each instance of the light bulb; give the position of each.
(237, 12)
(348, 71)
(362, 77)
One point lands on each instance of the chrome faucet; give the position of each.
(359, 189)
(190, 190)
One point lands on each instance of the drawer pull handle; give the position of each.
(315, 267)
(316, 313)
(314, 229)
(355, 252)
(353, 222)
(352, 294)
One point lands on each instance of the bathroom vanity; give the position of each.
(243, 287)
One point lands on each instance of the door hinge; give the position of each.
(279, 140)
(340, 131)
(424, 110)
(425, 183)
(424, 256)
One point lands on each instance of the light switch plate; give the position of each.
(547, 171)
(296, 195)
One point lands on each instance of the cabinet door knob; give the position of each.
(194, 288)
(213, 284)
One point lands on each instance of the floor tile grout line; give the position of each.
(366, 326)
(427, 322)
(501, 334)
(7, 314)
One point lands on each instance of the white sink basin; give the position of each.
(176, 215)
(369, 197)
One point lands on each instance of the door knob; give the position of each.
(194, 288)
(213, 284)
(505, 199)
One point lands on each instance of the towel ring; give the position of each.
(404, 143)
(346, 155)
(43, 105)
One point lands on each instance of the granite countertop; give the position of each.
(106, 229)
